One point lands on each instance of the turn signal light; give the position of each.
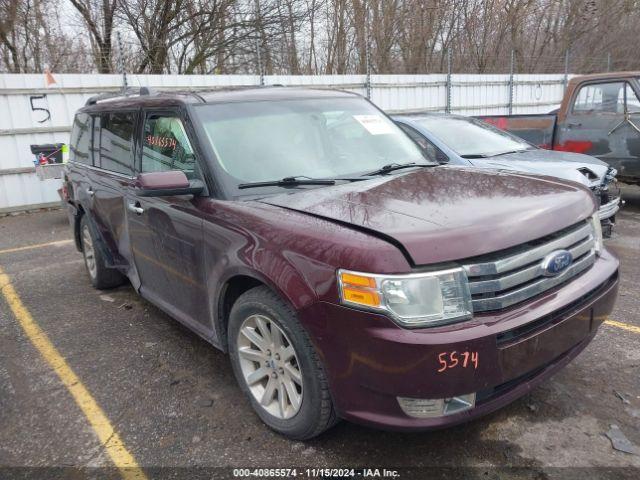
(359, 280)
(360, 296)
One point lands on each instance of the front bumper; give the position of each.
(609, 209)
(370, 361)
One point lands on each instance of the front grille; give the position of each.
(514, 335)
(503, 279)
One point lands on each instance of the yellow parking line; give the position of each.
(624, 326)
(107, 435)
(38, 245)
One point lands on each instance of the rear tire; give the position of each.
(101, 277)
(277, 366)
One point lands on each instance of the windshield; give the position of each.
(318, 138)
(471, 137)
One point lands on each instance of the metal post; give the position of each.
(566, 69)
(448, 107)
(367, 82)
(511, 83)
(260, 69)
(608, 62)
(121, 63)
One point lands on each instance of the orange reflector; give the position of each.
(358, 280)
(363, 297)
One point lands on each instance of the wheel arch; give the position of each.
(232, 287)
(77, 218)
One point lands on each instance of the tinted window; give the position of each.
(116, 146)
(95, 143)
(80, 139)
(166, 146)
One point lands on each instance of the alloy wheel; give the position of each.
(89, 253)
(270, 366)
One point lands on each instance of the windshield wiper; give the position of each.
(288, 182)
(510, 151)
(397, 166)
(470, 156)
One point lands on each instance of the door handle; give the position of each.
(572, 125)
(135, 208)
(90, 192)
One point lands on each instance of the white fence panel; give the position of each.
(409, 93)
(32, 114)
(537, 93)
(479, 94)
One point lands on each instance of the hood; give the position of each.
(441, 214)
(576, 167)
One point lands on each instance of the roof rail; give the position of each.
(112, 96)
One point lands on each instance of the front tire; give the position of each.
(277, 366)
(101, 276)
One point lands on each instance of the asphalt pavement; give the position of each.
(173, 403)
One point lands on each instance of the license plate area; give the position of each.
(530, 352)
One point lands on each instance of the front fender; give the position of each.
(284, 277)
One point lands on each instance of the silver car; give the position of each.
(458, 140)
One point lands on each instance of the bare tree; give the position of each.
(98, 17)
(31, 39)
(320, 36)
(8, 30)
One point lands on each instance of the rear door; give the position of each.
(166, 233)
(110, 178)
(603, 120)
(80, 160)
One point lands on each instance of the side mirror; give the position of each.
(166, 184)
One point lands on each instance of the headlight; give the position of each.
(597, 233)
(414, 300)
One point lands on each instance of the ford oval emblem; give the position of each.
(556, 262)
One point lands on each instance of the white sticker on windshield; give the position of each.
(375, 124)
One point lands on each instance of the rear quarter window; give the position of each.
(80, 139)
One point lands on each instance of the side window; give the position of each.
(80, 139)
(166, 146)
(633, 104)
(600, 98)
(116, 142)
(429, 150)
(95, 143)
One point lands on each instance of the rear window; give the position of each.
(606, 98)
(80, 139)
(116, 142)
(470, 137)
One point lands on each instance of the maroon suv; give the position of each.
(347, 275)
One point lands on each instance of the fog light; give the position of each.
(436, 407)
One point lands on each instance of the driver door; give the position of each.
(166, 233)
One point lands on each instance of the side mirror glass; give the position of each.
(166, 184)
